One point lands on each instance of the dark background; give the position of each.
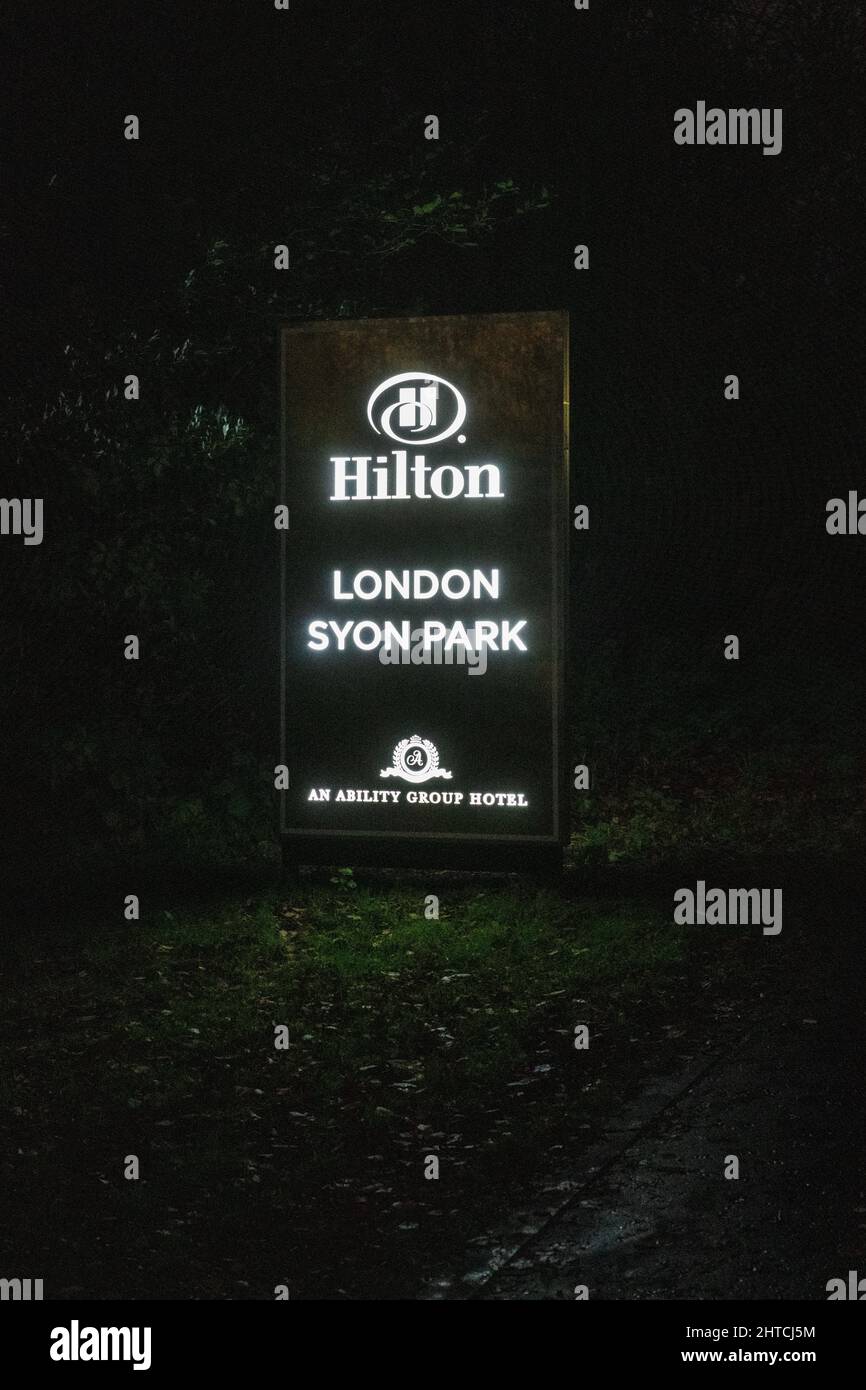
(306, 127)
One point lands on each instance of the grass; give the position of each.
(409, 1036)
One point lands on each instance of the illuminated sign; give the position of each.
(459, 425)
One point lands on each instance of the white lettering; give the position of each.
(352, 479)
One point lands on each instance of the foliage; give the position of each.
(407, 1036)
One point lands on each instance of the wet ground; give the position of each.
(613, 1176)
(649, 1214)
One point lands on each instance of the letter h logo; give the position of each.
(417, 407)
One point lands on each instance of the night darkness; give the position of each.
(152, 1034)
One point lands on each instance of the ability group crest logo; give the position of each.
(415, 759)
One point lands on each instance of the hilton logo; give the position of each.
(428, 409)
(415, 760)
(417, 408)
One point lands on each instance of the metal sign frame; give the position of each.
(448, 848)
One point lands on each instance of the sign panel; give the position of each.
(425, 475)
